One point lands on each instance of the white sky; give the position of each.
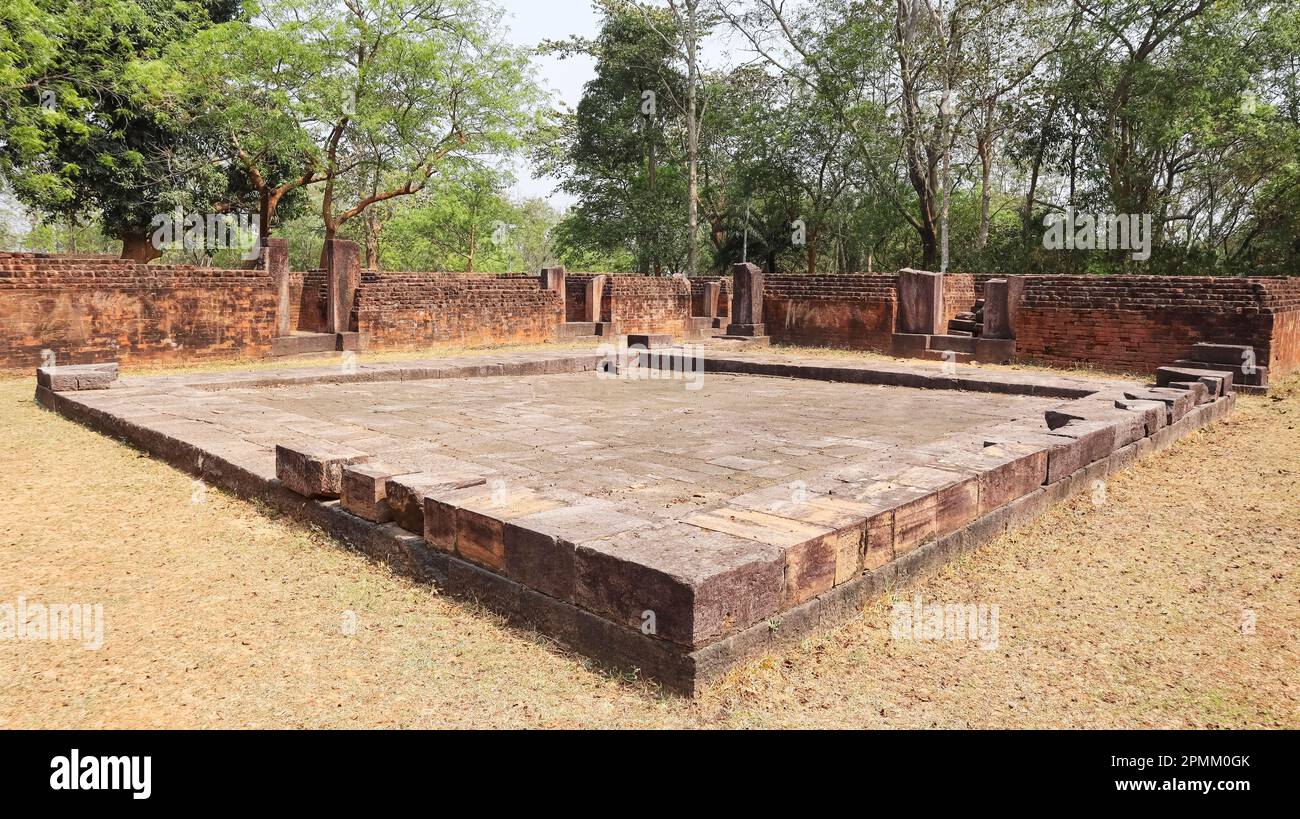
(531, 22)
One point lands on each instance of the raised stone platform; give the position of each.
(676, 517)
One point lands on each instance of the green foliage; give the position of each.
(87, 127)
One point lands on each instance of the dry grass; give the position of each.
(219, 614)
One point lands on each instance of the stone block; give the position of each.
(553, 279)
(810, 550)
(650, 341)
(1177, 402)
(315, 470)
(591, 305)
(1230, 354)
(343, 277)
(76, 377)
(481, 521)
(407, 493)
(746, 297)
(1085, 442)
(920, 302)
(1219, 380)
(276, 254)
(683, 583)
(365, 491)
(1155, 414)
(540, 547)
(997, 316)
(1015, 290)
(710, 293)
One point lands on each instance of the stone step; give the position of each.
(932, 347)
(304, 344)
(956, 343)
(968, 325)
(948, 355)
(583, 329)
(1258, 378)
(703, 327)
(1219, 353)
(1219, 381)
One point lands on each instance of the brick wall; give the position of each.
(724, 295)
(959, 294)
(575, 295)
(96, 308)
(310, 301)
(1138, 323)
(411, 310)
(855, 310)
(647, 304)
(1281, 300)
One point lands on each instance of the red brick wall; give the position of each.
(311, 301)
(1138, 323)
(93, 309)
(959, 294)
(724, 295)
(855, 310)
(411, 310)
(575, 295)
(1282, 301)
(648, 304)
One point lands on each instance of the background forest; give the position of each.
(817, 137)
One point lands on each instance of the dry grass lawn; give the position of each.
(219, 614)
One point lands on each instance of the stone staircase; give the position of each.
(1238, 359)
(958, 349)
(968, 323)
(581, 330)
(964, 342)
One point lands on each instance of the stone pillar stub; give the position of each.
(553, 279)
(710, 293)
(920, 302)
(595, 294)
(997, 318)
(746, 301)
(343, 275)
(277, 265)
(1015, 290)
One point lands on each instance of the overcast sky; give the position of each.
(531, 22)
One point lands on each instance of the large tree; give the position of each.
(87, 122)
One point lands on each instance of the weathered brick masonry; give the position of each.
(97, 309)
(959, 293)
(410, 310)
(635, 304)
(724, 295)
(309, 300)
(1137, 323)
(853, 310)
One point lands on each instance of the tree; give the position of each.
(377, 95)
(620, 151)
(87, 126)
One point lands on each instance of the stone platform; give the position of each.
(675, 516)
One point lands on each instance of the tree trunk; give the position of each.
(137, 247)
(331, 230)
(692, 137)
(985, 148)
